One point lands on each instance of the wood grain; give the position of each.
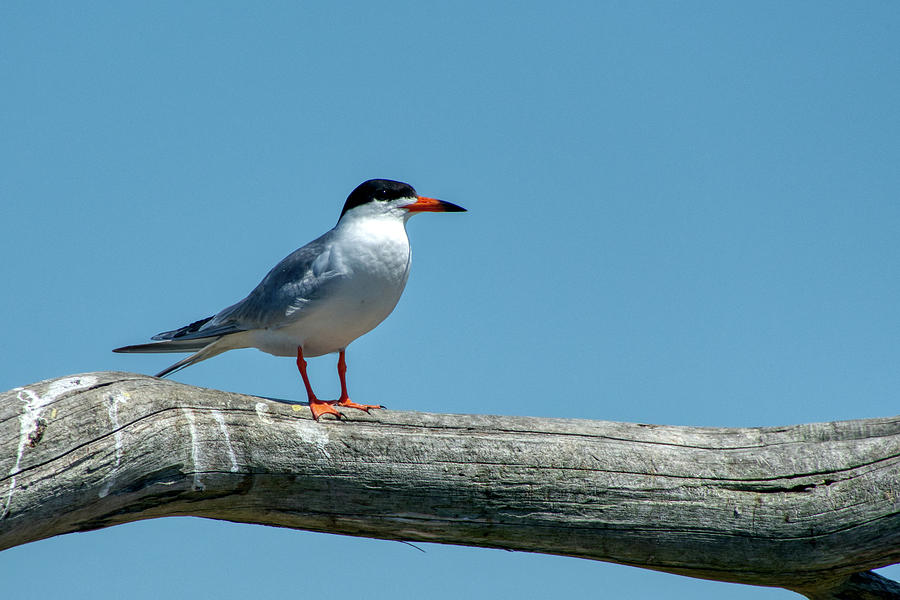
(810, 507)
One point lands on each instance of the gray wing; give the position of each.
(288, 291)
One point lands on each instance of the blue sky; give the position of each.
(680, 213)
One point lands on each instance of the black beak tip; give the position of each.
(450, 207)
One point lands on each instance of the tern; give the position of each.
(320, 297)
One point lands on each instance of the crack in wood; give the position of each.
(801, 507)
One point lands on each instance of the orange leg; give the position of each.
(344, 400)
(318, 407)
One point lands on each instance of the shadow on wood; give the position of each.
(809, 508)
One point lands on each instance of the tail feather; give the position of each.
(202, 349)
(208, 351)
(167, 346)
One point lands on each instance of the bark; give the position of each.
(811, 508)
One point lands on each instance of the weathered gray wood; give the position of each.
(807, 507)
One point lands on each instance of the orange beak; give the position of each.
(423, 204)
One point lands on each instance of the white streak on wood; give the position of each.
(113, 410)
(195, 448)
(313, 433)
(33, 404)
(220, 419)
(823, 496)
(262, 411)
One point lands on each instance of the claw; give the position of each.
(345, 400)
(326, 407)
(348, 403)
(320, 407)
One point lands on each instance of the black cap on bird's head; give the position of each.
(386, 190)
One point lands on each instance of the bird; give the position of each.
(320, 297)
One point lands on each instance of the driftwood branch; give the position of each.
(811, 508)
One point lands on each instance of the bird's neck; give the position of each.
(387, 230)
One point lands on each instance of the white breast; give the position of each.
(373, 258)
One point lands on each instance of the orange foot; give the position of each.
(323, 407)
(348, 403)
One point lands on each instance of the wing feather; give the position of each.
(290, 290)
